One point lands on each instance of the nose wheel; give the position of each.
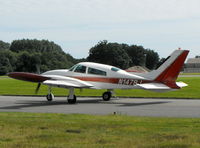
(106, 96)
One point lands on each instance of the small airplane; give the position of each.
(100, 76)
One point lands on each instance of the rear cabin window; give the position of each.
(115, 69)
(80, 68)
(96, 71)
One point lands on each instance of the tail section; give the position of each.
(168, 72)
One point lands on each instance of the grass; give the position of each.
(189, 73)
(15, 87)
(41, 130)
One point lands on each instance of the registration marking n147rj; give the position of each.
(129, 81)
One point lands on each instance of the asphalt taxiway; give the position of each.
(85, 105)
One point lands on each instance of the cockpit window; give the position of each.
(115, 69)
(72, 68)
(96, 71)
(80, 68)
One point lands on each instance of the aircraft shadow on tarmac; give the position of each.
(27, 104)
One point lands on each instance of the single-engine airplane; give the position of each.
(101, 76)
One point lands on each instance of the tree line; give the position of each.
(38, 56)
(123, 55)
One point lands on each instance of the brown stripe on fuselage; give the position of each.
(123, 81)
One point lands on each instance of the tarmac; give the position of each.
(85, 105)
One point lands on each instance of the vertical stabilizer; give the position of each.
(168, 72)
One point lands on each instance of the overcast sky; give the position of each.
(77, 25)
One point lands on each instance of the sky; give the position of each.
(78, 25)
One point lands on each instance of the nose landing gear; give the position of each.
(49, 96)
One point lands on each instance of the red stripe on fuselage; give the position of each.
(122, 81)
(99, 79)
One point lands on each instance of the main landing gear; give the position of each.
(71, 98)
(107, 95)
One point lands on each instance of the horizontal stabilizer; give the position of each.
(160, 87)
(153, 86)
(181, 84)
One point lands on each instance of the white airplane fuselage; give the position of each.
(113, 79)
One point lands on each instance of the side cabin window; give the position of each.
(96, 71)
(115, 69)
(80, 68)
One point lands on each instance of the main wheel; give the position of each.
(106, 96)
(50, 97)
(72, 101)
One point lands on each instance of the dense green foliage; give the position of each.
(4, 45)
(109, 53)
(41, 55)
(33, 56)
(123, 55)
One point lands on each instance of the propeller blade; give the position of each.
(37, 88)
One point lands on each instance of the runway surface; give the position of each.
(126, 106)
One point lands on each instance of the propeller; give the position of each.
(37, 88)
(39, 84)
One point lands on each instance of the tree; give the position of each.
(137, 55)
(40, 55)
(152, 59)
(109, 53)
(4, 45)
(5, 65)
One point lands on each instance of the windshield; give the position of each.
(80, 69)
(72, 68)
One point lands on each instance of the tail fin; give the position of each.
(168, 72)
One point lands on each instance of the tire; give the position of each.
(72, 101)
(106, 96)
(50, 97)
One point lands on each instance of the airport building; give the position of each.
(192, 65)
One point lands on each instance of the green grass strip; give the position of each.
(15, 87)
(40, 130)
(189, 73)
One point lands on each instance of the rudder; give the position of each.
(168, 72)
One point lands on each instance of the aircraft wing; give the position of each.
(51, 80)
(66, 82)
